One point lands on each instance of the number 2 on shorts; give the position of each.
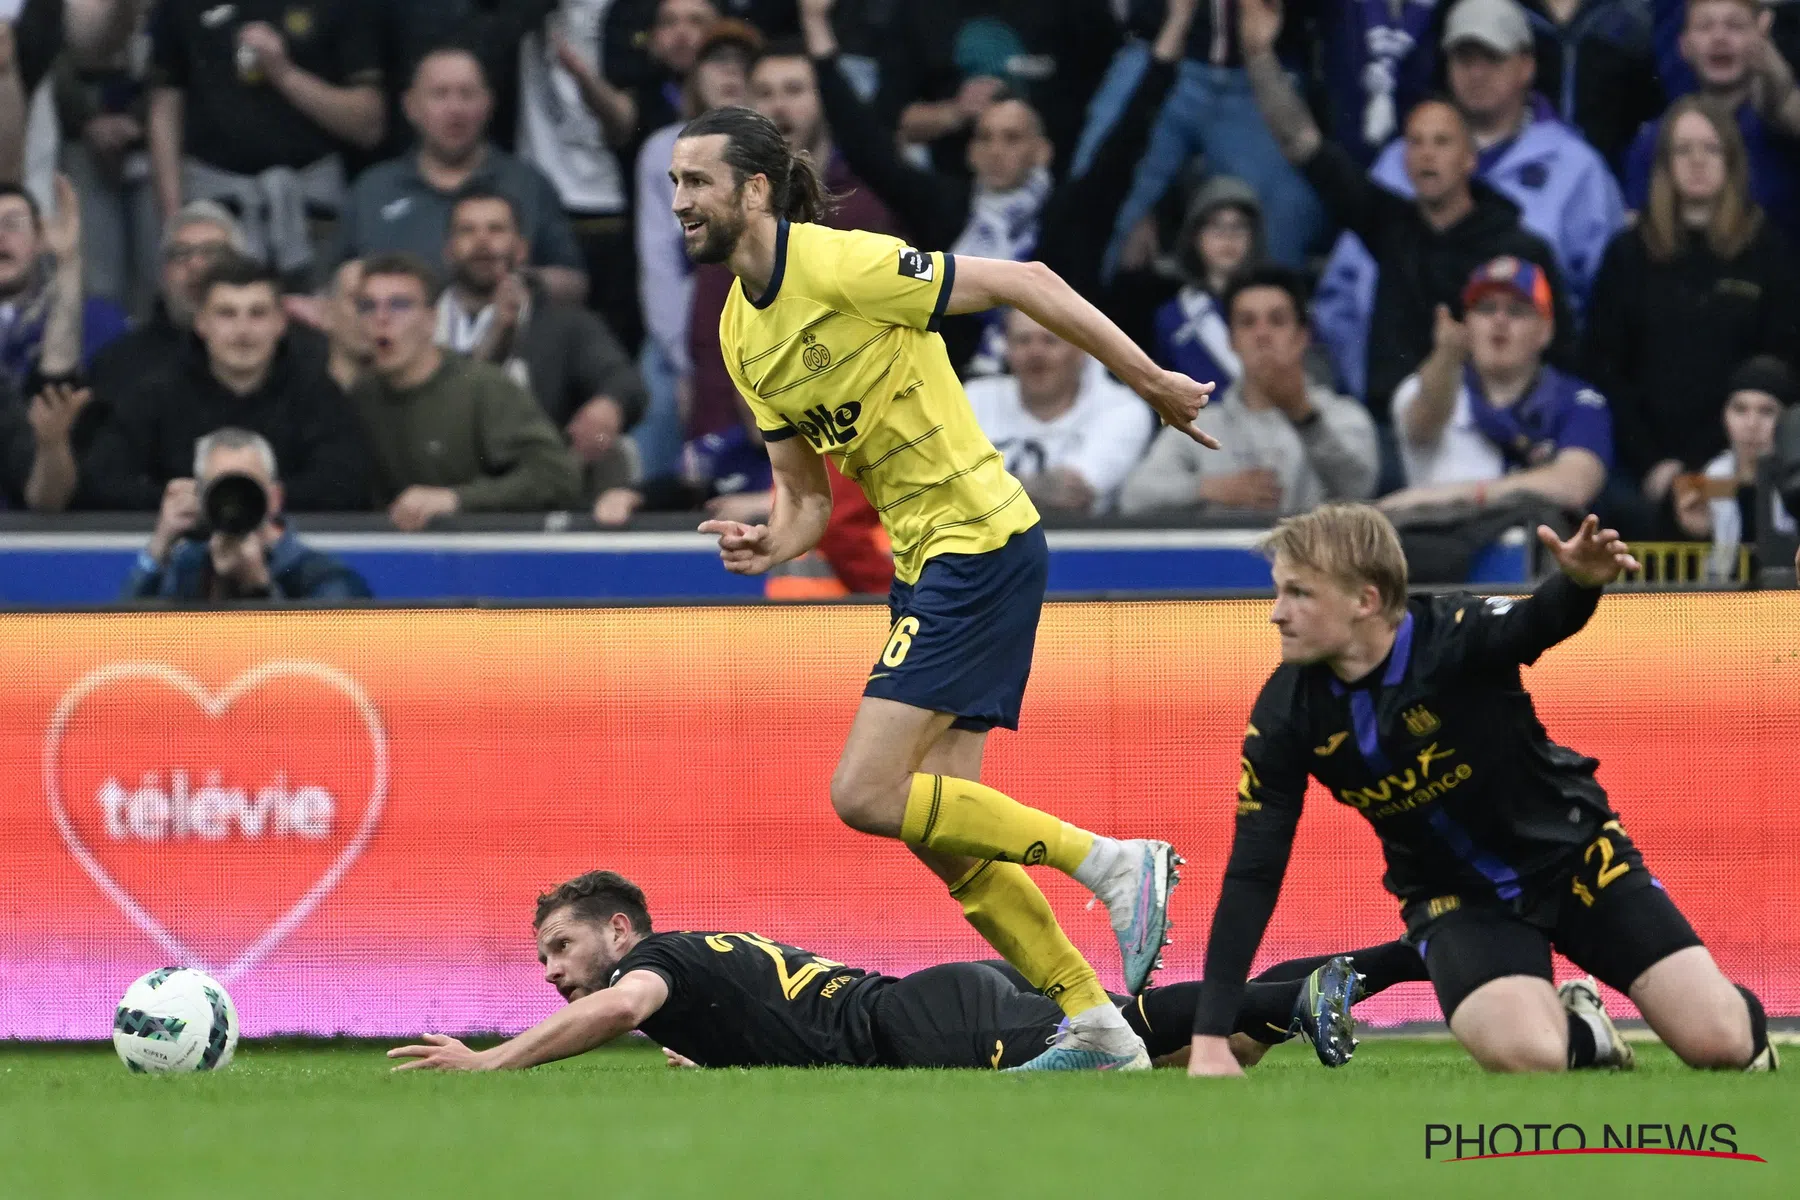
(899, 642)
(1607, 872)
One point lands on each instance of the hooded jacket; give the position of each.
(1565, 192)
(155, 420)
(1422, 267)
(1192, 334)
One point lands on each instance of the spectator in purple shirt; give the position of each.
(1484, 418)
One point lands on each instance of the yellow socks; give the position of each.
(1008, 910)
(960, 816)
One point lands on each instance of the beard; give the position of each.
(15, 277)
(722, 235)
(478, 277)
(595, 978)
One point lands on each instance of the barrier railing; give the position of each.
(1678, 564)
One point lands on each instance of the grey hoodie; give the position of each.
(1220, 191)
(1334, 457)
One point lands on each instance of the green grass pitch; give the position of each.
(328, 1120)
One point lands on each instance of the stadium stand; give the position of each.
(967, 121)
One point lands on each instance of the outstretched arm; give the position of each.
(933, 206)
(591, 1021)
(1283, 108)
(802, 510)
(1044, 296)
(1271, 790)
(1503, 632)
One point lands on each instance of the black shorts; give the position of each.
(1609, 916)
(961, 1015)
(962, 636)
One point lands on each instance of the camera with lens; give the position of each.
(235, 505)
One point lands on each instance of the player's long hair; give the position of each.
(753, 146)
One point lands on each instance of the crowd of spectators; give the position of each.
(1461, 257)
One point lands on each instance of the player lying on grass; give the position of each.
(740, 1000)
(1500, 844)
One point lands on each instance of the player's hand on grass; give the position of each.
(439, 1052)
(744, 549)
(677, 1060)
(1592, 557)
(1178, 400)
(1212, 1056)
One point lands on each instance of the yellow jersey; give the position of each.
(842, 348)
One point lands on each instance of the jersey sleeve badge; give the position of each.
(916, 264)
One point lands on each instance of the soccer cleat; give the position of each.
(1322, 1011)
(1074, 1048)
(1582, 998)
(1768, 1060)
(1137, 902)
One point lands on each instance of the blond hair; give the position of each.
(1736, 219)
(1354, 544)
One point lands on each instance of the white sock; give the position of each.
(1096, 870)
(1101, 1016)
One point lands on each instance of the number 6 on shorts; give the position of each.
(899, 642)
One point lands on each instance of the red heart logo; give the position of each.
(216, 820)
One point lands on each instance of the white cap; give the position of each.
(1499, 25)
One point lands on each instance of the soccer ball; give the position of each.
(175, 1019)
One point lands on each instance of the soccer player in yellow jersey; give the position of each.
(831, 338)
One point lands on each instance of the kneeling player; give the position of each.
(738, 999)
(1499, 843)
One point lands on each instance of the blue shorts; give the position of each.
(962, 636)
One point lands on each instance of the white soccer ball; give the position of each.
(176, 1019)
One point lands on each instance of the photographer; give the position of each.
(221, 535)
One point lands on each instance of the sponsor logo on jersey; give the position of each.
(1421, 721)
(1406, 790)
(825, 427)
(1331, 744)
(1247, 785)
